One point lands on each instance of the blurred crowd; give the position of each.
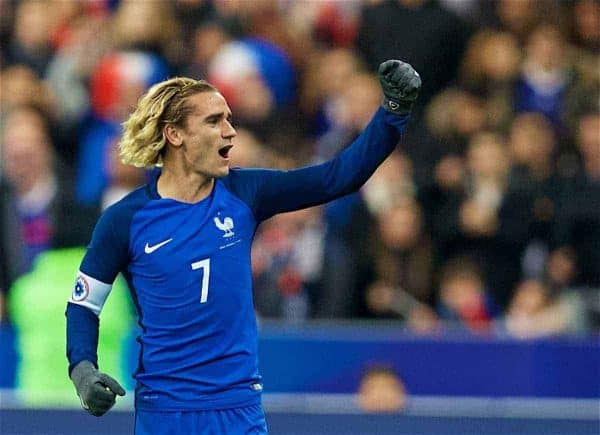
(486, 218)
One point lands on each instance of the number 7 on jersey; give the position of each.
(205, 266)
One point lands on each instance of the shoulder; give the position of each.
(117, 218)
(232, 178)
(126, 207)
(240, 179)
(246, 184)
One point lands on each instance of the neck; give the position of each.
(184, 186)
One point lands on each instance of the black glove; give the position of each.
(96, 390)
(400, 84)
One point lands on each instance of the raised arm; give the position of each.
(268, 192)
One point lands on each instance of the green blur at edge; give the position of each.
(37, 302)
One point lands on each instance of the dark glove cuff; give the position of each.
(81, 371)
(397, 107)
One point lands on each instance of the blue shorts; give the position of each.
(248, 420)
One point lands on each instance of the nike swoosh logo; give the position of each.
(150, 249)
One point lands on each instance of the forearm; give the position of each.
(82, 335)
(96, 390)
(352, 167)
(282, 191)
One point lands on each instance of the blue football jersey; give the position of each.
(188, 268)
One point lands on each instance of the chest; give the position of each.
(170, 239)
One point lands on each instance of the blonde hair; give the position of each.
(143, 142)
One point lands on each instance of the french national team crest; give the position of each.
(81, 290)
(225, 225)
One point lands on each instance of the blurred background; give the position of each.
(457, 292)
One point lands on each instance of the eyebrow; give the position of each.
(216, 116)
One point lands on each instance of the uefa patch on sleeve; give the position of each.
(81, 290)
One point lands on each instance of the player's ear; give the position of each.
(172, 134)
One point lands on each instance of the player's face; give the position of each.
(207, 135)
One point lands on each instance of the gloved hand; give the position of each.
(400, 84)
(97, 391)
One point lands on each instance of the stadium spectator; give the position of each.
(72, 66)
(536, 311)
(20, 86)
(584, 29)
(190, 14)
(117, 82)
(271, 22)
(484, 219)
(30, 44)
(490, 69)
(259, 80)
(532, 145)
(518, 17)
(391, 185)
(386, 301)
(207, 40)
(577, 229)
(324, 81)
(122, 179)
(403, 256)
(546, 75)
(463, 298)
(381, 390)
(48, 215)
(130, 30)
(287, 264)
(451, 118)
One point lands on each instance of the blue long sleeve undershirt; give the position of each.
(82, 335)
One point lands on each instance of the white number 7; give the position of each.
(205, 266)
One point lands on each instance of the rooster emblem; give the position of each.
(226, 225)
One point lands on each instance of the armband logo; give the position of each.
(81, 290)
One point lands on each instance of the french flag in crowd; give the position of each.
(117, 72)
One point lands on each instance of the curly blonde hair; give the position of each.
(143, 142)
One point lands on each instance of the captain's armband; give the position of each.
(89, 292)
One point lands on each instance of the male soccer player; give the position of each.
(183, 244)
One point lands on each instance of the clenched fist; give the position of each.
(400, 84)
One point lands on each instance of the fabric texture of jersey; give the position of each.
(189, 271)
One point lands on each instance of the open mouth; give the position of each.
(224, 151)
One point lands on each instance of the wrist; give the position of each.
(82, 370)
(397, 107)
